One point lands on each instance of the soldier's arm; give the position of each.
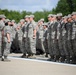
(34, 33)
(34, 30)
(8, 37)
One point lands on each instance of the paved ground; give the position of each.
(21, 66)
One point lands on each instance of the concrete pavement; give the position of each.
(21, 66)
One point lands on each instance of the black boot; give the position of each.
(73, 60)
(67, 59)
(57, 58)
(62, 59)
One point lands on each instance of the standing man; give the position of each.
(2, 24)
(31, 34)
(45, 39)
(20, 32)
(25, 38)
(40, 31)
(49, 37)
(13, 28)
(69, 37)
(7, 39)
(59, 35)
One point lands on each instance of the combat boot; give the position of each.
(6, 59)
(24, 56)
(57, 58)
(62, 59)
(72, 60)
(67, 59)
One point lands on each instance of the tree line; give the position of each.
(64, 6)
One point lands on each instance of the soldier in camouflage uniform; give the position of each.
(53, 47)
(13, 28)
(31, 34)
(59, 35)
(74, 37)
(27, 22)
(69, 37)
(49, 37)
(2, 18)
(64, 52)
(7, 39)
(54, 38)
(20, 32)
(45, 39)
(40, 36)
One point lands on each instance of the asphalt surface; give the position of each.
(39, 66)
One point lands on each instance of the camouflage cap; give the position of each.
(73, 13)
(45, 24)
(31, 16)
(59, 14)
(64, 17)
(22, 20)
(27, 16)
(2, 16)
(13, 21)
(50, 15)
(7, 20)
(42, 19)
(69, 16)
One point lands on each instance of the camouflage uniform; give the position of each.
(45, 40)
(31, 42)
(64, 51)
(6, 44)
(50, 41)
(68, 40)
(1, 29)
(20, 38)
(73, 41)
(13, 46)
(25, 37)
(40, 39)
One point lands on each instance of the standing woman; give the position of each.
(7, 39)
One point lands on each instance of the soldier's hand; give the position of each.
(8, 40)
(34, 36)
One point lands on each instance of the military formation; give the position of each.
(55, 38)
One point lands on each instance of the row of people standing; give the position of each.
(56, 38)
(60, 37)
(22, 34)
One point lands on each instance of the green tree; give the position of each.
(65, 6)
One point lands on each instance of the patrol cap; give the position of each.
(54, 15)
(2, 16)
(50, 15)
(39, 21)
(7, 20)
(22, 20)
(42, 19)
(64, 17)
(45, 24)
(27, 16)
(69, 16)
(73, 13)
(13, 21)
(31, 16)
(59, 14)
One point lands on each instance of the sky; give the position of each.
(28, 5)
